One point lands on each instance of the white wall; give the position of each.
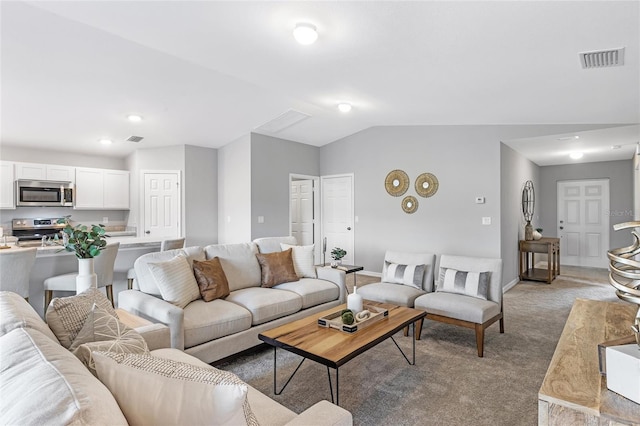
(636, 185)
(234, 191)
(515, 170)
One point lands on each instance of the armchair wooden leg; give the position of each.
(109, 289)
(418, 328)
(48, 295)
(129, 283)
(480, 339)
(406, 331)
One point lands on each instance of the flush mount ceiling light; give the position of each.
(106, 141)
(134, 118)
(566, 138)
(305, 33)
(344, 106)
(616, 146)
(576, 155)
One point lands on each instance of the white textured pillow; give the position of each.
(411, 275)
(474, 284)
(154, 390)
(302, 260)
(175, 280)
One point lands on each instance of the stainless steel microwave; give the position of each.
(44, 193)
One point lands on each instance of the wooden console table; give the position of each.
(527, 250)
(573, 391)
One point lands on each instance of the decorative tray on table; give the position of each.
(334, 319)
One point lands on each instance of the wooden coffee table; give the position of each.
(335, 348)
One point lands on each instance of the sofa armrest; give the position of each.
(156, 335)
(323, 413)
(156, 310)
(337, 277)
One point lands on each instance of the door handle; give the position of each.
(147, 232)
(562, 227)
(348, 228)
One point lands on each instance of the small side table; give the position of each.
(131, 320)
(348, 269)
(527, 250)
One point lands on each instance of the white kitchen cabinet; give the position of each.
(101, 189)
(7, 187)
(36, 171)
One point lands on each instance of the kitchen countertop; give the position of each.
(125, 243)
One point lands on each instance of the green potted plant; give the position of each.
(337, 254)
(86, 242)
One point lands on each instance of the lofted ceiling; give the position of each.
(206, 72)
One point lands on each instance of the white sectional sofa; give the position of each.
(217, 329)
(41, 382)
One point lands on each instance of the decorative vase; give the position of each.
(528, 231)
(537, 235)
(354, 301)
(87, 277)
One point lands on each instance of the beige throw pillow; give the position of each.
(302, 260)
(154, 390)
(103, 332)
(276, 268)
(66, 315)
(175, 280)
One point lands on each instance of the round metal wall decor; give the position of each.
(409, 204)
(426, 185)
(396, 183)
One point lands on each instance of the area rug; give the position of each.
(450, 384)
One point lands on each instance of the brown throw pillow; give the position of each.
(277, 268)
(211, 279)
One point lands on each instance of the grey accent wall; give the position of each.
(272, 160)
(201, 195)
(234, 191)
(620, 174)
(515, 170)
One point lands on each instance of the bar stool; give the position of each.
(103, 267)
(15, 267)
(172, 244)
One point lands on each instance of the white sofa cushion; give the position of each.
(401, 295)
(313, 291)
(272, 244)
(15, 312)
(239, 263)
(42, 383)
(175, 279)
(154, 390)
(465, 308)
(266, 304)
(206, 321)
(145, 281)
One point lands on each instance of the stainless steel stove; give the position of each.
(31, 231)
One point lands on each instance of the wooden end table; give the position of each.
(527, 250)
(334, 348)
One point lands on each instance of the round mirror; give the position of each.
(396, 182)
(425, 185)
(409, 204)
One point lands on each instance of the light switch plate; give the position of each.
(486, 221)
(260, 219)
(479, 200)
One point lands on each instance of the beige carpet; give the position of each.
(449, 385)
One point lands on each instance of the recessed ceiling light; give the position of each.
(106, 141)
(344, 106)
(576, 155)
(135, 118)
(305, 33)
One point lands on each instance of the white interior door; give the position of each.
(161, 204)
(302, 211)
(337, 215)
(583, 223)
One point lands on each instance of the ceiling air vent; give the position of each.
(134, 138)
(602, 58)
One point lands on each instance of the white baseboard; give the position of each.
(510, 285)
(373, 274)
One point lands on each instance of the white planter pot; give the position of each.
(86, 278)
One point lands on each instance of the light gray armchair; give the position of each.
(394, 292)
(457, 299)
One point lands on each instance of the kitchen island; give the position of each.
(53, 260)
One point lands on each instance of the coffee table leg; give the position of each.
(413, 346)
(337, 400)
(275, 370)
